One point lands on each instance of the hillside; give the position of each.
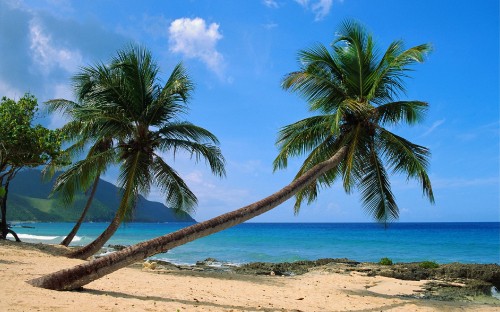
(28, 201)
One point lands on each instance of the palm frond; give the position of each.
(319, 80)
(392, 68)
(178, 194)
(352, 166)
(407, 158)
(309, 193)
(82, 174)
(187, 131)
(209, 152)
(301, 137)
(356, 55)
(321, 153)
(376, 193)
(61, 105)
(410, 112)
(137, 71)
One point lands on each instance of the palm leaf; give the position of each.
(178, 194)
(376, 192)
(81, 174)
(410, 112)
(407, 158)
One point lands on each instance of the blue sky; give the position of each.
(237, 52)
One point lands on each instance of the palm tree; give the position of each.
(72, 180)
(69, 238)
(79, 133)
(356, 93)
(130, 119)
(84, 174)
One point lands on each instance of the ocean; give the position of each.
(280, 242)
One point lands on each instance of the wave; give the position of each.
(43, 237)
(37, 237)
(77, 239)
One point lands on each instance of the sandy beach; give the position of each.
(136, 289)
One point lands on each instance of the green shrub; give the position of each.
(428, 265)
(385, 261)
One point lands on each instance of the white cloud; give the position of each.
(490, 129)
(7, 90)
(303, 3)
(207, 191)
(320, 8)
(463, 182)
(433, 127)
(46, 55)
(270, 25)
(271, 4)
(63, 91)
(195, 39)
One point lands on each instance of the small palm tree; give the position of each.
(356, 93)
(129, 118)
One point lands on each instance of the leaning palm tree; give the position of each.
(76, 179)
(79, 134)
(131, 119)
(356, 93)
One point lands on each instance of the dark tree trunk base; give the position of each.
(13, 234)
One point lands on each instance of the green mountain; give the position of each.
(28, 200)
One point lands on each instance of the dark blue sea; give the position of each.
(278, 242)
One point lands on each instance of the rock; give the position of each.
(117, 247)
(208, 261)
(288, 268)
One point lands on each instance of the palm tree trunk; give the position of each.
(93, 247)
(75, 229)
(76, 277)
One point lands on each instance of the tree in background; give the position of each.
(355, 91)
(84, 174)
(23, 145)
(130, 119)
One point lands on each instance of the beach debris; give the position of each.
(149, 265)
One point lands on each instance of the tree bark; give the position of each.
(14, 234)
(3, 203)
(76, 277)
(3, 206)
(93, 247)
(67, 240)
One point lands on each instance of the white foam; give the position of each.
(76, 239)
(29, 236)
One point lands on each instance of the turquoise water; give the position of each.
(278, 242)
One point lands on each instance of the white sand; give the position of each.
(131, 289)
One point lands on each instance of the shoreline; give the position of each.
(334, 286)
(250, 242)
